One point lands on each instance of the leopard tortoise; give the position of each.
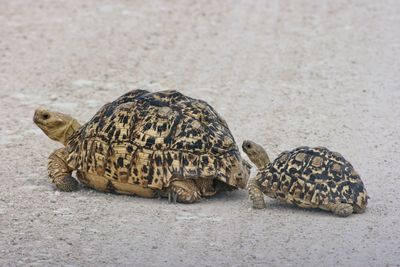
(307, 177)
(146, 144)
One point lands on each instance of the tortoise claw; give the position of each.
(172, 196)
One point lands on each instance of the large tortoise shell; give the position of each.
(150, 138)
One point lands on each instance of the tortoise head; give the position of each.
(56, 125)
(256, 153)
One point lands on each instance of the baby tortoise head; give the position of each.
(256, 153)
(56, 125)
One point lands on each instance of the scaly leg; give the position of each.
(183, 191)
(206, 187)
(339, 209)
(59, 171)
(255, 194)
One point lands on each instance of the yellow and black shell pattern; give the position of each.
(149, 139)
(313, 177)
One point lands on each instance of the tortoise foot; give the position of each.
(66, 183)
(183, 192)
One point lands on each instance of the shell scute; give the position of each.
(149, 139)
(310, 177)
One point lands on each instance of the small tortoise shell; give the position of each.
(311, 177)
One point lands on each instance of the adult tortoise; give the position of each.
(307, 177)
(146, 144)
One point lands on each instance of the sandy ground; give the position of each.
(282, 73)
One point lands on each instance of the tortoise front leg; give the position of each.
(255, 194)
(59, 171)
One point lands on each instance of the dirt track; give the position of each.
(282, 73)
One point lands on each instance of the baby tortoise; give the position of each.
(146, 144)
(307, 177)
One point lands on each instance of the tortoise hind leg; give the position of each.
(60, 173)
(339, 209)
(183, 191)
(359, 209)
(205, 186)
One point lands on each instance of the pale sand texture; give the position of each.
(282, 73)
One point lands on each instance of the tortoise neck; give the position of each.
(70, 129)
(261, 161)
(266, 167)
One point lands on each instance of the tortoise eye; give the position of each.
(46, 116)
